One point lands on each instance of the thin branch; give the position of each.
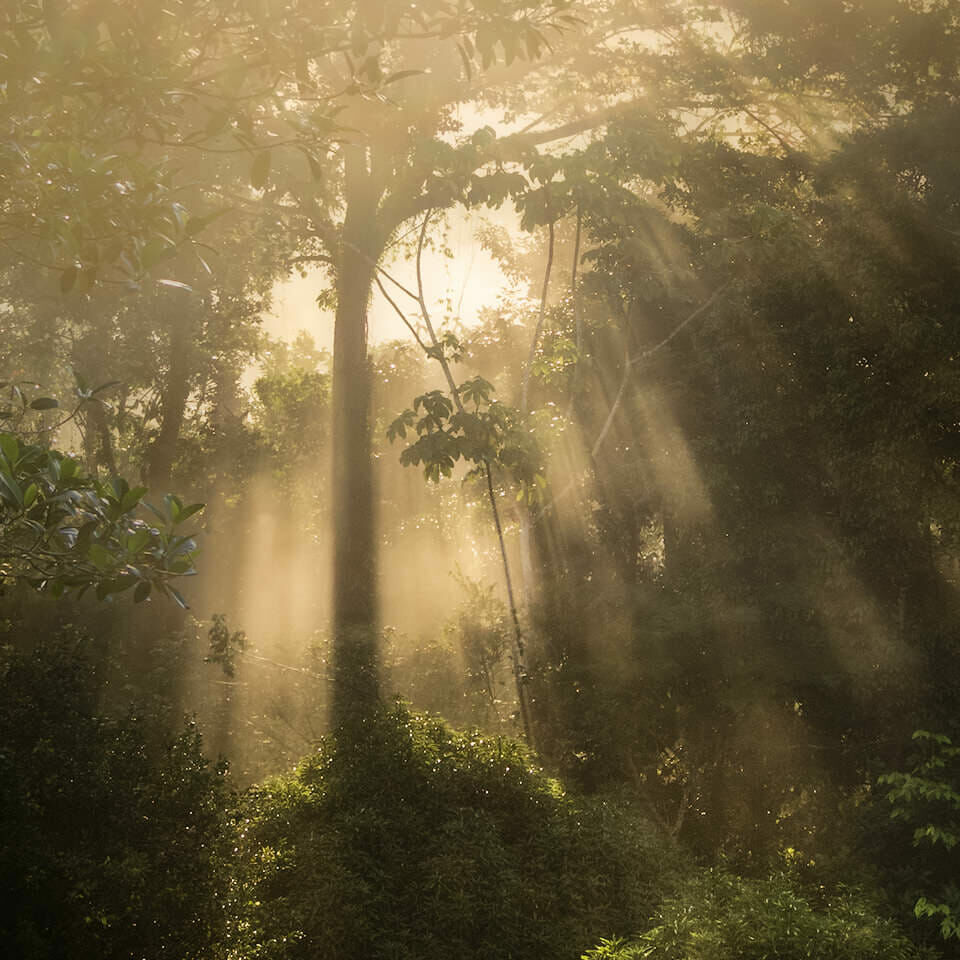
(629, 362)
(400, 314)
(313, 258)
(682, 326)
(286, 666)
(617, 400)
(381, 270)
(525, 391)
(571, 129)
(575, 302)
(421, 299)
(519, 668)
(755, 116)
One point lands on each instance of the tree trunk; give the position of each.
(163, 452)
(355, 608)
(97, 420)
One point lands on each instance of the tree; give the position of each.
(213, 80)
(396, 168)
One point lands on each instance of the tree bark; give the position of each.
(163, 452)
(355, 607)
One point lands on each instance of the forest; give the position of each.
(479, 479)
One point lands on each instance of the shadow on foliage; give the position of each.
(415, 841)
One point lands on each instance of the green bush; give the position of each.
(110, 827)
(719, 916)
(928, 798)
(421, 843)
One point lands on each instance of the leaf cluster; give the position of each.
(928, 797)
(719, 916)
(65, 532)
(477, 430)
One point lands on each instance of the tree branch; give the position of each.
(524, 393)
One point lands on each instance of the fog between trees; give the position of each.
(584, 374)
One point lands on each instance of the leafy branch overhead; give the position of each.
(101, 104)
(481, 431)
(64, 532)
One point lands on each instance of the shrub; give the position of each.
(928, 798)
(719, 916)
(419, 842)
(109, 826)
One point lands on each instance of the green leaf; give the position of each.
(104, 386)
(465, 60)
(174, 506)
(68, 279)
(10, 490)
(196, 224)
(44, 403)
(316, 168)
(10, 447)
(187, 512)
(401, 75)
(155, 251)
(260, 169)
(137, 541)
(119, 486)
(131, 498)
(100, 556)
(30, 495)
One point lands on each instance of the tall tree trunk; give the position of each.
(355, 607)
(163, 452)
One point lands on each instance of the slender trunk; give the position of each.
(519, 655)
(163, 452)
(98, 420)
(89, 361)
(355, 613)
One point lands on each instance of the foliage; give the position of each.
(928, 797)
(292, 413)
(481, 629)
(477, 430)
(224, 647)
(110, 826)
(419, 842)
(61, 530)
(719, 916)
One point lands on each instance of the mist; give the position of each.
(480, 478)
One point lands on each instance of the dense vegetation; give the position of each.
(667, 532)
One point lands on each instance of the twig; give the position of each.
(286, 666)
(680, 327)
(624, 380)
(628, 363)
(524, 394)
(575, 302)
(400, 314)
